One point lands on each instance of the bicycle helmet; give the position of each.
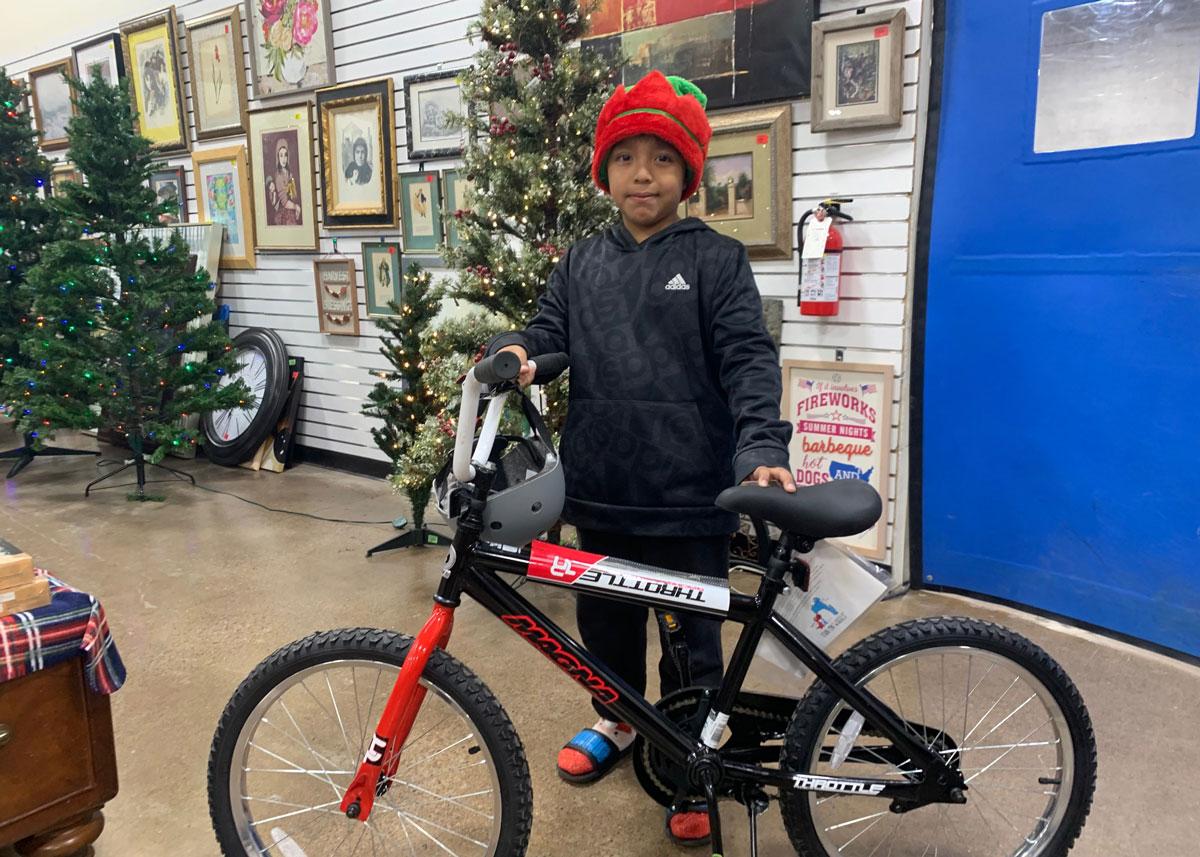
(527, 494)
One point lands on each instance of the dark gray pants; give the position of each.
(616, 633)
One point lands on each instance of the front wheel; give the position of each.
(993, 704)
(292, 736)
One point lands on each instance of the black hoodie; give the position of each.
(675, 383)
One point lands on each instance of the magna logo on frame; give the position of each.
(568, 663)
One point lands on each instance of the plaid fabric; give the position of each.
(71, 625)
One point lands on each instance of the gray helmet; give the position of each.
(528, 492)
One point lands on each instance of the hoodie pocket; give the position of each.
(640, 453)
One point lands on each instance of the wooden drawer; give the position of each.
(57, 760)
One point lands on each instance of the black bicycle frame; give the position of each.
(472, 567)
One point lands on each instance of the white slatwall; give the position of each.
(376, 38)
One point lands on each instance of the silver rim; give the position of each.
(1008, 734)
(300, 747)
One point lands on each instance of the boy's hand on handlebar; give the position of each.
(765, 476)
(527, 370)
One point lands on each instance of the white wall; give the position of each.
(374, 38)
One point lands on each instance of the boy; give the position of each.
(675, 389)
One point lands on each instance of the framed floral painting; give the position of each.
(281, 162)
(291, 46)
(223, 197)
(152, 61)
(214, 46)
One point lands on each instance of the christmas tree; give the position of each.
(113, 305)
(535, 97)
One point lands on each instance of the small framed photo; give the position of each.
(170, 186)
(63, 172)
(100, 58)
(337, 296)
(382, 269)
(52, 102)
(459, 191)
(358, 155)
(214, 45)
(20, 84)
(223, 197)
(291, 46)
(858, 71)
(152, 60)
(746, 189)
(434, 114)
(421, 219)
(281, 162)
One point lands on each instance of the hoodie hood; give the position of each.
(621, 237)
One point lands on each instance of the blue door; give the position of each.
(1061, 409)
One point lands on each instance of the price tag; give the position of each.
(882, 32)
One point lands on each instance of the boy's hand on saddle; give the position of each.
(766, 476)
(526, 376)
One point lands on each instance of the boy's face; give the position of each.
(645, 178)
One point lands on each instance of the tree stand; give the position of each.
(25, 455)
(139, 462)
(420, 536)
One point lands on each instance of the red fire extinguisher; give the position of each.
(821, 265)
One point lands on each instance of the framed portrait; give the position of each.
(214, 46)
(739, 52)
(382, 272)
(291, 46)
(223, 197)
(281, 163)
(52, 102)
(858, 71)
(63, 172)
(337, 296)
(433, 111)
(170, 186)
(421, 217)
(152, 61)
(358, 155)
(841, 414)
(746, 189)
(100, 58)
(459, 193)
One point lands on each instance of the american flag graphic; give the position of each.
(869, 388)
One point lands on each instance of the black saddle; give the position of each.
(843, 507)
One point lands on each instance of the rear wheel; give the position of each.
(992, 703)
(291, 738)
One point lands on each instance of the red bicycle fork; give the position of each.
(375, 772)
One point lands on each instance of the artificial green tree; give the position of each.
(116, 307)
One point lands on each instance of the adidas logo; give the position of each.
(678, 284)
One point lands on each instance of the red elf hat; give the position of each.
(670, 108)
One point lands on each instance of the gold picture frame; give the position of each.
(749, 150)
(223, 197)
(337, 296)
(858, 71)
(50, 114)
(63, 171)
(358, 155)
(218, 78)
(152, 63)
(281, 167)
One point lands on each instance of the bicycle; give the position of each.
(999, 758)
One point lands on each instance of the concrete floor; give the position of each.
(201, 587)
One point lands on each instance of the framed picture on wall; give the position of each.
(281, 162)
(746, 189)
(459, 191)
(100, 58)
(858, 71)
(337, 296)
(421, 219)
(358, 155)
(382, 277)
(433, 114)
(223, 196)
(152, 61)
(170, 186)
(52, 104)
(23, 104)
(214, 45)
(63, 172)
(291, 46)
(841, 414)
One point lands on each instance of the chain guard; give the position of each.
(757, 719)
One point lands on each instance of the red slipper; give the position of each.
(688, 824)
(589, 756)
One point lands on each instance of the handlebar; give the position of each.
(500, 368)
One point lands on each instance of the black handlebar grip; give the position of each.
(497, 369)
(549, 367)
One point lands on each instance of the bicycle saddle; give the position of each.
(843, 507)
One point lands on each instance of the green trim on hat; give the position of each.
(683, 86)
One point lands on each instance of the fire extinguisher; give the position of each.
(821, 266)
